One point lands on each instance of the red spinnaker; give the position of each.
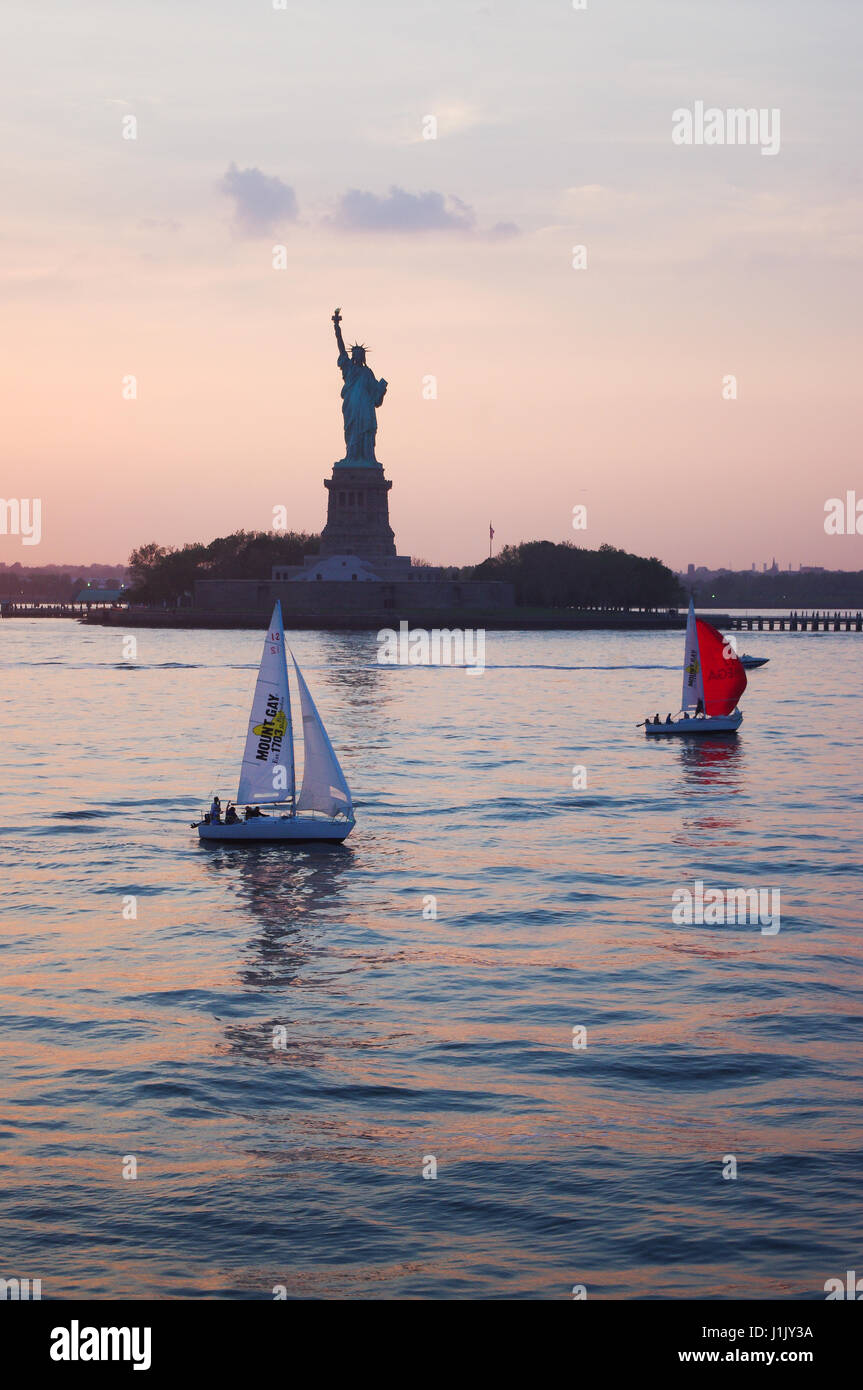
(724, 677)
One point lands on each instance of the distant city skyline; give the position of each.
(774, 567)
(557, 293)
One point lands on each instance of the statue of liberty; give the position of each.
(361, 395)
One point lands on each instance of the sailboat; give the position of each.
(323, 810)
(713, 681)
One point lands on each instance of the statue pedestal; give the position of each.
(358, 519)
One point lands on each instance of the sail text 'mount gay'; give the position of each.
(271, 736)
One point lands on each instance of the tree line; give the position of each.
(544, 574)
(163, 574)
(547, 574)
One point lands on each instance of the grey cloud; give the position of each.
(262, 202)
(400, 211)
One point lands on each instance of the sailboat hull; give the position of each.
(279, 829)
(715, 724)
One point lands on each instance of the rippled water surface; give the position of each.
(410, 1036)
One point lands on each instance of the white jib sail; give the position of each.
(693, 684)
(324, 787)
(267, 773)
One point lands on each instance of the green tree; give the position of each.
(161, 574)
(546, 574)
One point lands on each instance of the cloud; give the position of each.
(261, 201)
(400, 211)
(455, 116)
(502, 231)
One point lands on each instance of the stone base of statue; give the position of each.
(358, 513)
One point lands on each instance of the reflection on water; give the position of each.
(716, 761)
(715, 766)
(279, 885)
(350, 668)
(287, 893)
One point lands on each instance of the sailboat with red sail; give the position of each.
(713, 681)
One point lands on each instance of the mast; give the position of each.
(290, 729)
(693, 687)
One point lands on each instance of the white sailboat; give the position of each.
(713, 681)
(323, 810)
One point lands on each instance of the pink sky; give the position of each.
(556, 386)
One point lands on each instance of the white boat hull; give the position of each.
(714, 724)
(280, 829)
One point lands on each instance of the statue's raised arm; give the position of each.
(337, 325)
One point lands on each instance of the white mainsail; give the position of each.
(693, 683)
(324, 787)
(267, 773)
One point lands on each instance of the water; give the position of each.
(409, 1036)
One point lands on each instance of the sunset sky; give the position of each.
(451, 257)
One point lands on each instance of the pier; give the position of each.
(818, 621)
(12, 608)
